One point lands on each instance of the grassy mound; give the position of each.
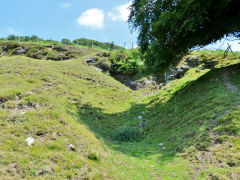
(38, 99)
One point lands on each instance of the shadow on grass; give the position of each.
(180, 119)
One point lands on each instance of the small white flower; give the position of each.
(160, 144)
(140, 117)
(30, 141)
(163, 148)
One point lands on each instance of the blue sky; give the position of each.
(102, 20)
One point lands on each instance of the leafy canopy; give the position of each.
(169, 28)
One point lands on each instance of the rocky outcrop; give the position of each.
(134, 84)
(193, 62)
(205, 63)
(37, 51)
(91, 60)
(209, 64)
(176, 73)
(20, 51)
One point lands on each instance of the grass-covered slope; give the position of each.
(192, 128)
(38, 99)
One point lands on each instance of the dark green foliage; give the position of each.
(127, 133)
(12, 38)
(66, 41)
(88, 42)
(34, 38)
(27, 38)
(168, 29)
(93, 156)
(9, 46)
(126, 63)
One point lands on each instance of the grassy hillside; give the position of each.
(192, 128)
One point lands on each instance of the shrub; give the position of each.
(66, 41)
(56, 56)
(127, 63)
(12, 38)
(6, 46)
(104, 64)
(127, 133)
(36, 52)
(93, 156)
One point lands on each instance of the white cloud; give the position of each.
(93, 18)
(120, 12)
(65, 5)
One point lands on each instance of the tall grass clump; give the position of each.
(127, 133)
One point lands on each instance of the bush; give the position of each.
(127, 133)
(56, 56)
(127, 63)
(12, 38)
(93, 156)
(9, 46)
(104, 64)
(66, 41)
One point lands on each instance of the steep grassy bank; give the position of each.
(37, 100)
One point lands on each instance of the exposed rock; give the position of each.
(71, 147)
(185, 67)
(20, 51)
(3, 100)
(193, 62)
(209, 64)
(30, 141)
(91, 60)
(134, 84)
(98, 69)
(177, 73)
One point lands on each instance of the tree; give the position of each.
(27, 38)
(12, 38)
(169, 29)
(34, 38)
(66, 41)
(22, 38)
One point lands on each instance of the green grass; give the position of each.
(192, 129)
